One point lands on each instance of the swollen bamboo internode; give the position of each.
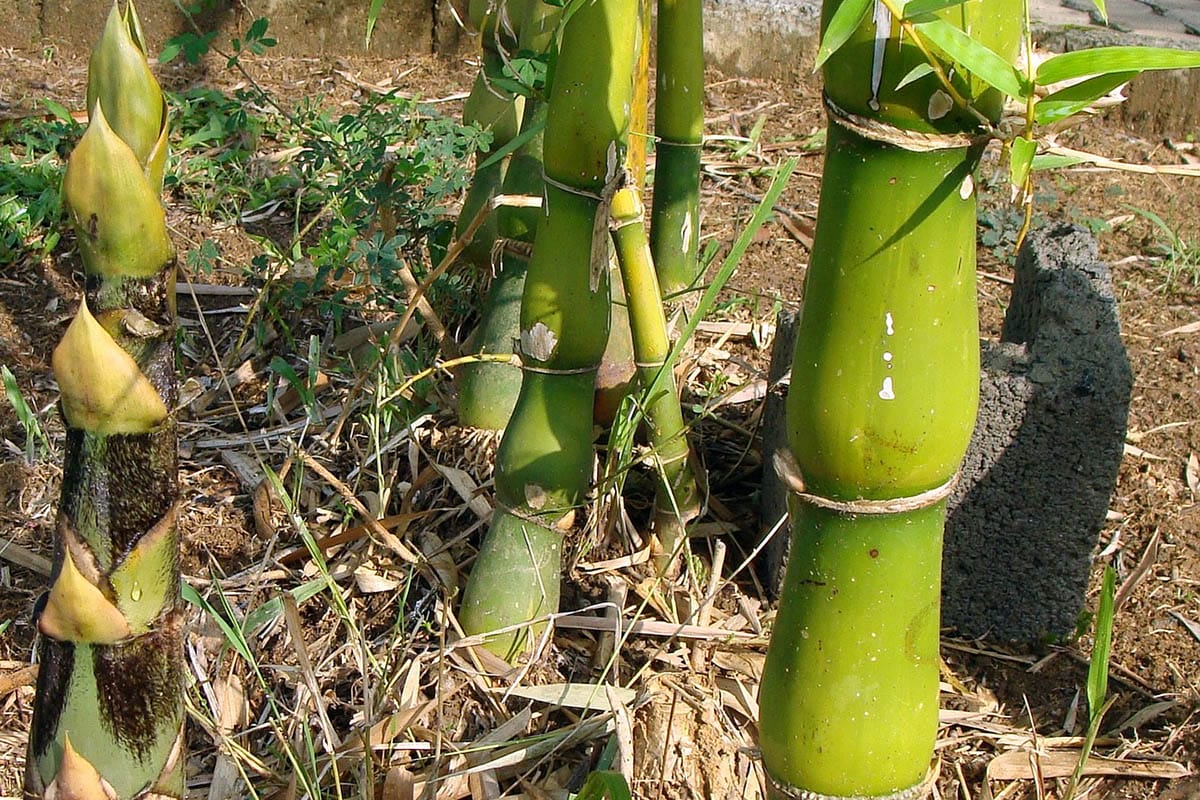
(108, 712)
(880, 410)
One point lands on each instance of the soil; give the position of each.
(693, 709)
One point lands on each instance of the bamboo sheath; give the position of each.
(880, 410)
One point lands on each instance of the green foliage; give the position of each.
(35, 438)
(1180, 257)
(32, 160)
(605, 785)
(1097, 682)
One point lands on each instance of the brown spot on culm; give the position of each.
(874, 553)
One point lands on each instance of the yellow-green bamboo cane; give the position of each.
(881, 406)
(678, 134)
(544, 465)
(677, 499)
(108, 712)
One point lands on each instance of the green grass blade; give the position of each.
(982, 62)
(1107, 60)
(725, 271)
(1097, 685)
(372, 18)
(604, 785)
(841, 27)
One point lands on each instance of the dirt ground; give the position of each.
(689, 714)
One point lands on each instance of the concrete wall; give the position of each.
(750, 37)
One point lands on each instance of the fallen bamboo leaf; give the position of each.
(1016, 765)
(1192, 475)
(1191, 327)
(1192, 627)
(643, 627)
(582, 696)
(1137, 452)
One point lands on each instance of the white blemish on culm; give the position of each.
(939, 104)
(967, 189)
(539, 342)
(887, 392)
(889, 324)
(887, 357)
(685, 233)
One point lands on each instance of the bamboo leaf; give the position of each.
(1053, 161)
(980, 61)
(1020, 159)
(917, 9)
(841, 27)
(1078, 96)
(1097, 685)
(916, 73)
(535, 126)
(1107, 60)
(372, 18)
(603, 784)
(1103, 9)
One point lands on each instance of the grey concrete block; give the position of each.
(1037, 479)
(1042, 463)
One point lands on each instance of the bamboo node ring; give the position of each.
(911, 793)
(789, 472)
(914, 141)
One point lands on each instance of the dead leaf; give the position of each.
(1017, 765)
(1192, 627)
(1192, 475)
(1191, 327)
(586, 696)
(398, 785)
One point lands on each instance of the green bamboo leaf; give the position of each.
(917, 9)
(841, 27)
(535, 126)
(1107, 60)
(1051, 161)
(603, 784)
(1103, 9)
(916, 73)
(980, 61)
(372, 18)
(1097, 685)
(1020, 159)
(1078, 96)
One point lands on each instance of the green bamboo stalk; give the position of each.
(544, 464)
(880, 410)
(488, 389)
(108, 711)
(677, 499)
(678, 133)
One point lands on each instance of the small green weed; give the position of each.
(34, 435)
(32, 161)
(1180, 256)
